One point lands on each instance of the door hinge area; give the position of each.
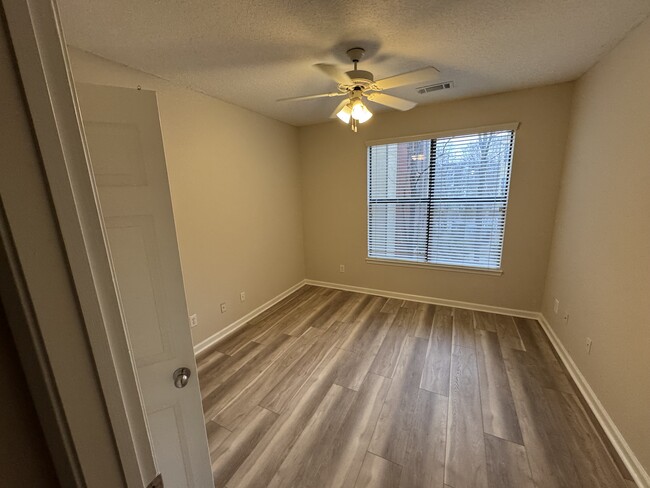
(157, 482)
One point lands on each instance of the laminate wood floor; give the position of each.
(331, 388)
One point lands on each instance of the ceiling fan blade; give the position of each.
(338, 108)
(334, 72)
(391, 101)
(411, 78)
(311, 97)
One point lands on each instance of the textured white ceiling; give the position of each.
(251, 53)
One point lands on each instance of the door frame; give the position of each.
(41, 55)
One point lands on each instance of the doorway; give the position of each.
(150, 426)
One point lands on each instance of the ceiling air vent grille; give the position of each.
(422, 90)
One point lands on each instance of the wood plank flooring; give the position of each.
(330, 388)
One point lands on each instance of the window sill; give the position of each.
(440, 267)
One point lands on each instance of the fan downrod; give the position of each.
(360, 78)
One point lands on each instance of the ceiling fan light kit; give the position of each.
(357, 84)
(354, 111)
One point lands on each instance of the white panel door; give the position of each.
(122, 128)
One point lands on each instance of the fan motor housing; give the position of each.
(360, 75)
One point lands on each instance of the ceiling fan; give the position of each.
(358, 84)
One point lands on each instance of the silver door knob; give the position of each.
(181, 377)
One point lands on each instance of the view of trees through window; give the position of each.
(440, 201)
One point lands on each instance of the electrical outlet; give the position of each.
(341, 268)
(194, 320)
(242, 296)
(223, 308)
(588, 345)
(565, 318)
(556, 305)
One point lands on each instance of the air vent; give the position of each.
(422, 90)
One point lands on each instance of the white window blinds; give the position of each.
(440, 201)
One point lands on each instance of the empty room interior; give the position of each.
(325, 244)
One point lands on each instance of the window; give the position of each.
(440, 201)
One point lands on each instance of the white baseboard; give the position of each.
(231, 328)
(419, 298)
(632, 463)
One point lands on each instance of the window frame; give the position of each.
(512, 126)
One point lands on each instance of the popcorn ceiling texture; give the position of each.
(251, 53)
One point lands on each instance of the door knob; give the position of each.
(181, 377)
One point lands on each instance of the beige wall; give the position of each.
(234, 178)
(600, 262)
(333, 161)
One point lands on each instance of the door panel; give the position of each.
(168, 447)
(137, 266)
(126, 149)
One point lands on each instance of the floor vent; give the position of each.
(432, 88)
